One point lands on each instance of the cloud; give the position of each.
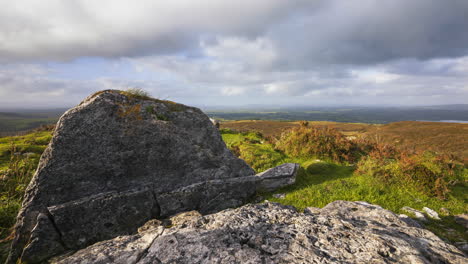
(372, 31)
(61, 30)
(236, 52)
(233, 90)
(293, 34)
(34, 85)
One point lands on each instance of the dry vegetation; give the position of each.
(275, 128)
(447, 138)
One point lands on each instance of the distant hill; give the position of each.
(373, 115)
(12, 123)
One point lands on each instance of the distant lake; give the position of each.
(446, 121)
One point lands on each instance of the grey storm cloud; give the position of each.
(58, 30)
(301, 32)
(372, 31)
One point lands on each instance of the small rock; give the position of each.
(431, 213)
(215, 122)
(312, 210)
(444, 211)
(462, 219)
(418, 214)
(277, 177)
(279, 195)
(368, 204)
(409, 221)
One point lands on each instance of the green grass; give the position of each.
(33, 143)
(137, 93)
(321, 182)
(18, 160)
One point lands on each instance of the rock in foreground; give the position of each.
(117, 160)
(341, 232)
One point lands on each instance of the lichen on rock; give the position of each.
(341, 232)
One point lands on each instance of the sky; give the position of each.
(216, 53)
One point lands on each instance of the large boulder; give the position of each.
(117, 160)
(341, 232)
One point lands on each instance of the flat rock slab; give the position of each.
(341, 232)
(277, 177)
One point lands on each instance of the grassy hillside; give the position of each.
(321, 181)
(450, 138)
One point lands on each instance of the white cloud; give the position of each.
(374, 76)
(233, 91)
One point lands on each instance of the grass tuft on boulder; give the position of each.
(137, 93)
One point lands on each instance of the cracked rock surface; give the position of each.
(116, 161)
(341, 232)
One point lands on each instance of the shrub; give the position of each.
(426, 172)
(324, 143)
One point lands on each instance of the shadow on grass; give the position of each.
(448, 229)
(318, 173)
